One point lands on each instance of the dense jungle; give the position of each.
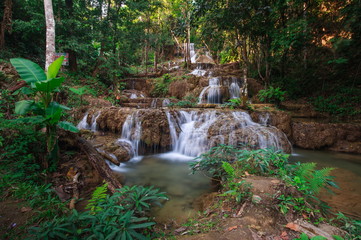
(180, 119)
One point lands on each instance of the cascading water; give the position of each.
(154, 103)
(192, 139)
(213, 92)
(192, 52)
(165, 102)
(94, 125)
(131, 133)
(83, 124)
(234, 89)
(193, 133)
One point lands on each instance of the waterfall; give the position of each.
(165, 102)
(154, 103)
(213, 91)
(264, 119)
(234, 89)
(131, 133)
(199, 72)
(94, 125)
(133, 96)
(83, 124)
(193, 54)
(193, 133)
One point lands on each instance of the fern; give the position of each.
(98, 196)
(228, 168)
(307, 178)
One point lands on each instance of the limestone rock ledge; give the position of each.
(342, 137)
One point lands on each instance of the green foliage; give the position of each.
(47, 111)
(211, 162)
(304, 236)
(19, 154)
(119, 216)
(187, 102)
(228, 164)
(272, 95)
(233, 103)
(351, 226)
(344, 102)
(235, 189)
(98, 196)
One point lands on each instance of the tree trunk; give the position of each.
(99, 164)
(188, 45)
(50, 33)
(6, 22)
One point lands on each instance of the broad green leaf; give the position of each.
(141, 225)
(53, 113)
(54, 68)
(68, 126)
(49, 85)
(24, 106)
(29, 71)
(79, 91)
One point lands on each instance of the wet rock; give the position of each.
(279, 119)
(334, 136)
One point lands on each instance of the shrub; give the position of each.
(272, 95)
(118, 216)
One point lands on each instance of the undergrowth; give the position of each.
(122, 215)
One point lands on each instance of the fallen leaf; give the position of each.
(284, 236)
(247, 174)
(293, 226)
(232, 228)
(26, 209)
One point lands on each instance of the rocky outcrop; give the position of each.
(279, 119)
(341, 137)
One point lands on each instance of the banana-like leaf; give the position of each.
(79, 91)
(68, 126)
(49, 85)
(24, 106)
(53, 113)
(54, 68)
(29, 71)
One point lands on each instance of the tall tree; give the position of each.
(6, 22)
(50, 33)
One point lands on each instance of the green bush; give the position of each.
(118, 216)
(345, 102)
(228, 164)
(272, 95)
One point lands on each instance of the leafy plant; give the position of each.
(80, 91)
(351, 226)
(237, 190)
(98, 196)
(272, 95)
(47, 111)
(304, 236)
(233, 103)
(118, 216)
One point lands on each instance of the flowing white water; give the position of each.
(193, 133)
(165, 102)
(234, 89)
(193, 54)
(133, 96)
(83, 124)
(154, 103)
(131, 133)
(94, 125)
(212, 92)
(199, 72)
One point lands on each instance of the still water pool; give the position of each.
(170, 172)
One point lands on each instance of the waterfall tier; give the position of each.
(188, 132)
